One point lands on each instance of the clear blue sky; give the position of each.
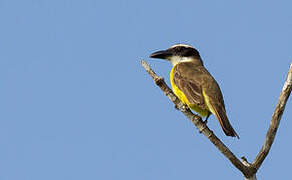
(76, 104)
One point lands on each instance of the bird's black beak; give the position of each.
(161, 54)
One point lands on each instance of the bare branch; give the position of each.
(248, 169)
(275, 121)
(197, 121)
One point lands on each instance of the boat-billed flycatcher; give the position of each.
(194, 85)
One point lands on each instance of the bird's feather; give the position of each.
(201, 90)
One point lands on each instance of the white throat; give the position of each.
(177, 59)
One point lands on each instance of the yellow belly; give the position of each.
(182, 97)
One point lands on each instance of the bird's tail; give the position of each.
(220, 113)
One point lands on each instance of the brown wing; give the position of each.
(214, 101)
(189, 86)
(193, 80)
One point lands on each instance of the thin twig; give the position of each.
(275, 121)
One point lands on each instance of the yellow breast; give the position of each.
(183, 98)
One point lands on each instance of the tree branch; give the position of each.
(247, 169)
(246, 163)
(275, 121)
(197, 121)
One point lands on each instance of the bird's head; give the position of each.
(178, 53)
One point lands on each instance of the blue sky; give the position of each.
(76, 103)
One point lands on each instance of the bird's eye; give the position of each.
(188, 52)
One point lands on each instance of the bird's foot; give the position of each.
(205, 121)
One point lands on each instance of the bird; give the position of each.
(193, 84)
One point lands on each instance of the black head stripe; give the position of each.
(184, 51)
(187, 52)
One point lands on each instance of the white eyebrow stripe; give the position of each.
(184, 45)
